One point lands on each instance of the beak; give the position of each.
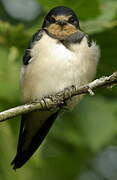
(61, 22)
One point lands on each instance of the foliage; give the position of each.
(76, 136)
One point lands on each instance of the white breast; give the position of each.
(53, 67)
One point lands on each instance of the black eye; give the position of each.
(50, 19)
(72, 20)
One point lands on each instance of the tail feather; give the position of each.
(22, 156)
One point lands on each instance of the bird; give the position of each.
(58, 56)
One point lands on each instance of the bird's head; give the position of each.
(61, 22)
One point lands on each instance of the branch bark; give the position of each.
(55, 101)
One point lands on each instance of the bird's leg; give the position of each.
(67, 96)
(43, 103)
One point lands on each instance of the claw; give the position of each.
(90, 91)
(68, 96)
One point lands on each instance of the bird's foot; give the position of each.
(43, 102)
(67, 96)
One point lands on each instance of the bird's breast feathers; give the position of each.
(54, 67)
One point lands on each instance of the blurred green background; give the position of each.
(81, 144)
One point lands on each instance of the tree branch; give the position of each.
(55, 101)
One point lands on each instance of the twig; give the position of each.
(54, 101)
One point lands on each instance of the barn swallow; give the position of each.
(58, 56)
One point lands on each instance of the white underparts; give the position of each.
(54, 67)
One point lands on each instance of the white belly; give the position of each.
(54, 67)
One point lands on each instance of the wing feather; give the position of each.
(25, 152)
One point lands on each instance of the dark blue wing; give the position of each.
(22, 156)
(36, 37)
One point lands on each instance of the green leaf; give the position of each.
(91, 124)
(107, 41)
(98, 121)
(104, 20)
(84, 9)
(9, 76)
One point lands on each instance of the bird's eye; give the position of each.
(51, 19)
(72, 20)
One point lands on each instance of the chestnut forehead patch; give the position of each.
(62, 17)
